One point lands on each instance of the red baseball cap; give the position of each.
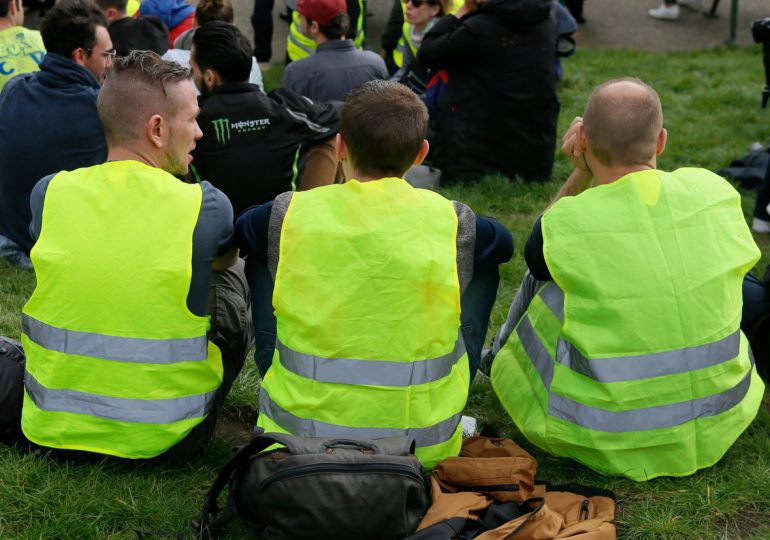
(321, 11)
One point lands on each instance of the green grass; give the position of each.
(711, 105)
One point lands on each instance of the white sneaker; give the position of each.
(760, 226)
(692, 5)
(665, 13)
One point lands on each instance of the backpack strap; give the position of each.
(202, 525)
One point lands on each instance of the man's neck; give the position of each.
(122, 153)
(6, 22)
(608, 175)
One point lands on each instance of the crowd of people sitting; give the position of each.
(175, 218)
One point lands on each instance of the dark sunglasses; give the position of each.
(418, 3)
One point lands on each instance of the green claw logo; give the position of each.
(222, 130)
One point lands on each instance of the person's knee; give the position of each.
(230, 311)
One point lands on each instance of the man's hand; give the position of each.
(573, 149)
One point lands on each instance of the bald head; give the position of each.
(136, 89)
(622, 122)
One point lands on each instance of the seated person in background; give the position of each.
(250, 140)
(299, 45)
(337, 67)
(205, 12)
(622, 349)
(499, 109)
(420, 17)
(22, 49)
(147, 33)
(116, 333)
(177, 15)
(382, 292)
(48, 119)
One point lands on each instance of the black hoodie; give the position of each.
(499, 109)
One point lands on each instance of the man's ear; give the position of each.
(314, 28)
(341, 148)
(79, 56)
(423, 153)
(211, 78)
(155, 130)
(660, 144)
(111, 13)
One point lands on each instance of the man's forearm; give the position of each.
(577, 183)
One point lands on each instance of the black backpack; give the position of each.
(12, 362)
(315, 488)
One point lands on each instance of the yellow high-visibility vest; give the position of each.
(632, 361)
(116, 362)
(367, 302)
(298, 45)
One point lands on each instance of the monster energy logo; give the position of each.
(222, 130)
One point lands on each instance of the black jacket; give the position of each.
(499, 109)
(250, 140)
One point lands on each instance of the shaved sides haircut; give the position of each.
(383, 124)
(134, 90)
(622, 121)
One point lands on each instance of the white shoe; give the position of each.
(760, 226)
(665, 13)
(692, 5)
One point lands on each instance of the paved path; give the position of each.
(611, 24)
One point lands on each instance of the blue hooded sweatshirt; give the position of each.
(171, 12)
(48, 123)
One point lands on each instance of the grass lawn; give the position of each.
(711, 107)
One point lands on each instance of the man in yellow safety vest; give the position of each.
(381, 291)
(129, 260)
(622, 349)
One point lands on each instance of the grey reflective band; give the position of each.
(370, 372)
(307, 427)
(295, 40)
(660, 417)
(645, 366)
(553, 297)
(535, 350)
(139, 411)
(121, 349)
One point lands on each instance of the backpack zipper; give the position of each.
(350, 468)
(584, 509)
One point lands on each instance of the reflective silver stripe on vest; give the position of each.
(535, 350)
(553, 297)
(121, 349)
(139, 411)
(295, 40)
(370, 372)
(660, 417)
(307, 427)
(645, 366)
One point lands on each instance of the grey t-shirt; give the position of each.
(211, 238)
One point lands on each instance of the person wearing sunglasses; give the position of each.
(498, 110)
(48, 119)
(419, 18)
